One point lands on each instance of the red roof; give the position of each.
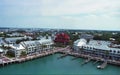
(62, 38)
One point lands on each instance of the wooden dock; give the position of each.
(63, 55)
(86, 61)
(102, 66)
(96, 61)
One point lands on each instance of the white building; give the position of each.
(79, 43)
(37, 46)
(17, 49)
(48, 42)
(13, 39)
(31, 46)
(95, 44)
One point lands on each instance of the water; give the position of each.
(52, 65)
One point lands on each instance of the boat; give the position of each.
(99, 67)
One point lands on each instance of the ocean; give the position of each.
(51, 65)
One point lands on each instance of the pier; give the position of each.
(65, 51)
(102, 66)
(86, 61)
(96, 61)
(64, 55)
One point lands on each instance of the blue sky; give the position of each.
(69, 14)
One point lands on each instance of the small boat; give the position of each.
(99, 67)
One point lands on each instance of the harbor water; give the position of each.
(52, 65)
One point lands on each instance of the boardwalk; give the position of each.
(65, 51)
(5, 60)
(75, 54)
(86, 61)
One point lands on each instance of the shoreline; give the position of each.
(5, 60)
(97, 59)
(56, 50)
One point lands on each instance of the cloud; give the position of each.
(13, 8)
(61, 13)
(76, 7)
(58, 8)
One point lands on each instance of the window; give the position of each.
(110, 50)
(114, 51)
(118, 51)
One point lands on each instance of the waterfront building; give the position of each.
(97, 48)
(79, 43)
(37, 46)
(30, 46)
(17, 49)
(46, 43)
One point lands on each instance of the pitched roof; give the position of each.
(1, 50)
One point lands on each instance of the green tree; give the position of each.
(23, 53)
(10, 54)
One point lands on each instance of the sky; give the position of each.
(64, 14)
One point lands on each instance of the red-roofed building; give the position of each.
(62, 38)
